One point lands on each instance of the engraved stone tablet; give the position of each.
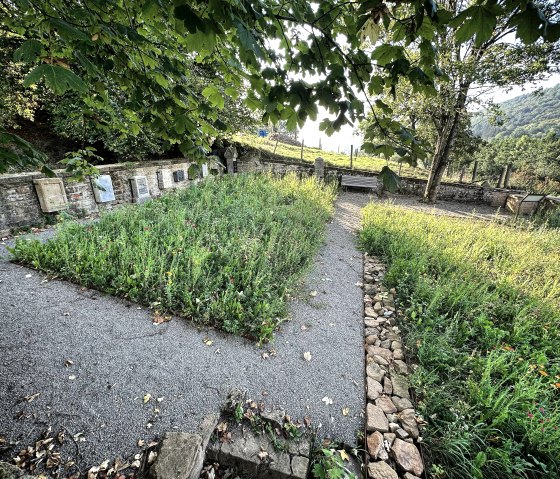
(164, 179)
(204, 170)
(140, 192)
(103, 189)
(51, 193)
(178, 175)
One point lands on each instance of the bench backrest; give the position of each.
(359, 181)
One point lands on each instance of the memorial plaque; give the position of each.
(204, 170)
(103, 189)
(140, 191)
(164, 179)
(51, 193)
(178, 176)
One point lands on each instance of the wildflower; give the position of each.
(529, 415)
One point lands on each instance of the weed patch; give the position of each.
(483, 318)
(225, 252)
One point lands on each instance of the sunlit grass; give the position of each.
(482, 305)
(363, 161)
(225, 252)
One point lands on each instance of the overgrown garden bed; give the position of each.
(483, 322)
(225, 252)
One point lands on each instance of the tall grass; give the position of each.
(225, 252)
(482, 317)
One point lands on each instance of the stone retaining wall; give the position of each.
(19, 203)
(254, 160)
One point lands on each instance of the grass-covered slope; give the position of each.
(482, 307)
(224, 252)
(362, 162)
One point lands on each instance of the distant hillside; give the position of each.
(531, 114)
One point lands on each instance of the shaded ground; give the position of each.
(118, 356)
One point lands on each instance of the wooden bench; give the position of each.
(366, 182)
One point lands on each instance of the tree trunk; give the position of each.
(444, 145)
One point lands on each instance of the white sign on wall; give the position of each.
(103, 189)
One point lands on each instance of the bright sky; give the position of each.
(341, 140)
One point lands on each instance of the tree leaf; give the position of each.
(28, 51)
(58, 79)
(390, 179)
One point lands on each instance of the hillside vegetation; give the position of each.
(531, 114)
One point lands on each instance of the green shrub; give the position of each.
(225, 252)
(482, 314)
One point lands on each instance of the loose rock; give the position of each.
(386, 404)
(374, 388)
(376, 419)
(401, 403)
(381, 470)
(374, 371)
(408, 421)
(407, 457)
(374, 444)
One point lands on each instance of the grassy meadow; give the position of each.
(482, 320)
(224, 252)
(363, 161)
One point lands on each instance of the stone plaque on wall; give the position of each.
(51, 193)
(178, 176)
(103, 189)
(164, 179)
(204, 170)
(140, 191)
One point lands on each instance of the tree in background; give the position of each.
(536, 161)
(472, 62)
(270, 49)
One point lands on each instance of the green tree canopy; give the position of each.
(291, 58)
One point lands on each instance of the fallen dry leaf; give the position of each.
(313, 294)
(345, 411)
(68, 362)
(344, 455)
(159, 318)
(262, 455)
(327, 400)
(307, 356)
(141, 443)
(207, 341)
(147, 397)
(72, 377)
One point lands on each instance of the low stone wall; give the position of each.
(19, 201)
(255, 160)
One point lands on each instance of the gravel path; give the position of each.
(118, 356)
(448, 208)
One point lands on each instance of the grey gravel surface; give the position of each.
(118, 356)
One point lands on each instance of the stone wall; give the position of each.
(19, 203)
(257, 160)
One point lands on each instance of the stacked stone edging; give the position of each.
(392, 425)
